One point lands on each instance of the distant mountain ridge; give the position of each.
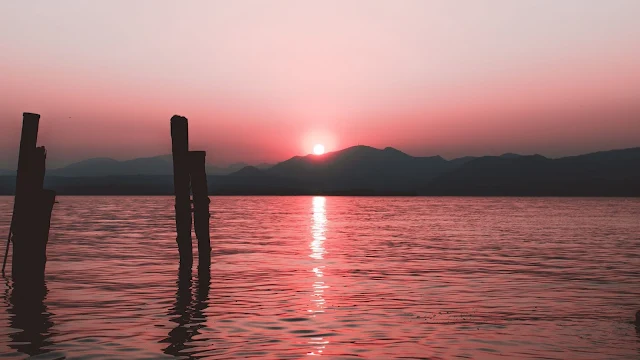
(156, 165)
(364, 170)
(605, 173)
(367, 170)
(360, 166)
(159, 165)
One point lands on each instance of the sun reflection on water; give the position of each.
(318, 229)
(452, 278)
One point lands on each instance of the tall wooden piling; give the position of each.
(25, 185)
(28, 140)
(180, 151)
(32, 207)
(201, 201)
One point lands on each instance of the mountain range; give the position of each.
(156, 165)
(364, 170)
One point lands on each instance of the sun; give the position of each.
(318, 149)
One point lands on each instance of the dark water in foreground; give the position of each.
(341, 277)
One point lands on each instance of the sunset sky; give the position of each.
(261, 81)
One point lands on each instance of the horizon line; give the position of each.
(228, 165)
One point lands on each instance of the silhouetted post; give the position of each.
(39, 235)
(28, 140)
(180, 150)
(37, 167)
(201, 202)
(32, 207)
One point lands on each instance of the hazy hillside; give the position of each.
(362, 167)
(363, 170)
(609, 173)
(156, 165)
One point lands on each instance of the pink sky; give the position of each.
(261, 81)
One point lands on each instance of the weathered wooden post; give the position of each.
(28, 140)
(180, 150)
(32, 207)
(201, 201)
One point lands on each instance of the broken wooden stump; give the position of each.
(32, 207)
(190, 178)
(180, 151)
(201, 201)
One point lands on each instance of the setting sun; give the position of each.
(318, 149)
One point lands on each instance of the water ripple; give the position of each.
(341, 277)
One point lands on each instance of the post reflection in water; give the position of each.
(189, 315)
(318, 230)
(30, 316)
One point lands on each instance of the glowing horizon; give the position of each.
(262, 82)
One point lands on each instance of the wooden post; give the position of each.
(39, 235)
(28, 140)
(180, 150)
(201, 202)
(37, 167)
(32, 207)
(24, 187)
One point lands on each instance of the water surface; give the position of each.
(341, 277)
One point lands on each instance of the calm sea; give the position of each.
(341, 277)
